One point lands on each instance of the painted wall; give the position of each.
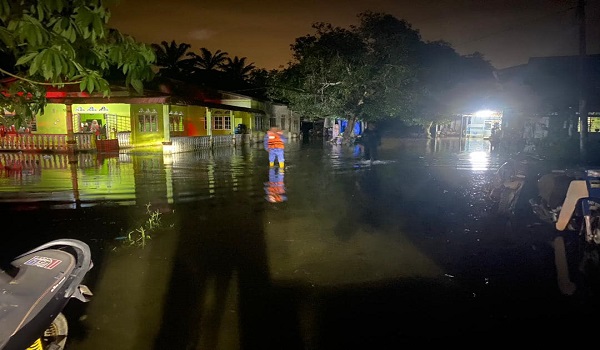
(243, 118)
(193, 121)
(53, 120)
(141, 139)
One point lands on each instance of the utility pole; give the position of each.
(583, 113)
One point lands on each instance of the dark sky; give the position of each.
(506, 32)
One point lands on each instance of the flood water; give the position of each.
(332, 253)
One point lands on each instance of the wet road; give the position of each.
(372, 256)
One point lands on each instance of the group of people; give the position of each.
(94, 127)
(275, 141)
(12, 130)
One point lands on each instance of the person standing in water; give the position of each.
(371, 140)
(274, 143)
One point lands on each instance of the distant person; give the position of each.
(371, 140)
(95, 128)
(274, 143)
(306, 130)
(495, 138)
(335, 134)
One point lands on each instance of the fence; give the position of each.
(192, 143)
(45, 142)
(87, 142)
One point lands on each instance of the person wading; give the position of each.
(275, 144)
(371, 140)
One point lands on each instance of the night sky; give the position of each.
(507, 32)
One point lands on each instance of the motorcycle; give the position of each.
(34, 289)
(565, 200)
(570, 200)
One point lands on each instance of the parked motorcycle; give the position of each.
(571, 201)
(34, 289)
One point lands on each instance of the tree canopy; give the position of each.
(380, 69)
(63, 42)
(171, 59)
(207, 69)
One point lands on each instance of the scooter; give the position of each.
(570, 200)
(34, 289)
(584, 193)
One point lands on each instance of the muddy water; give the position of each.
(331, 253)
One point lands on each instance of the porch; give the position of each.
(57, 143)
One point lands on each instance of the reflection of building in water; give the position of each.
(38, 161)
(126, 178)
(454, 145)
(475, 145)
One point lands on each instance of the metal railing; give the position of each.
(192, 143)
(87, 142)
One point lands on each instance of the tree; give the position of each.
(207, 60)
(259, 80)
(451, 85)
(171, 59)
(207, 67)
(380, 69)
(237, 69)
(365, 72)
(321, 81)
(63, 42)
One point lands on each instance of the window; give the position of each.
(148, 121)
(175, 121)
(221, 121)
(218, 123)
(258, 122)
(283, 122)
(273, 122)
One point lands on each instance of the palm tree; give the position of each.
(237, 69)
(236, 74)
(207, 60)
(170, 59)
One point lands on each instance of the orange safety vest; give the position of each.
(275, 140)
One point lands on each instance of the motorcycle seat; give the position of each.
(39, 284)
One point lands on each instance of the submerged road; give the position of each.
(404, 251)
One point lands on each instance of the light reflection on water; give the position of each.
(130, 178)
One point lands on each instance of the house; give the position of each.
(176, 115)
(542, 97)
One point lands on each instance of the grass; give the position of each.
(140, 235)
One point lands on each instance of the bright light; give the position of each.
(479, 160)
(484, 113)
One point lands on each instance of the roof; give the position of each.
(149, 97)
